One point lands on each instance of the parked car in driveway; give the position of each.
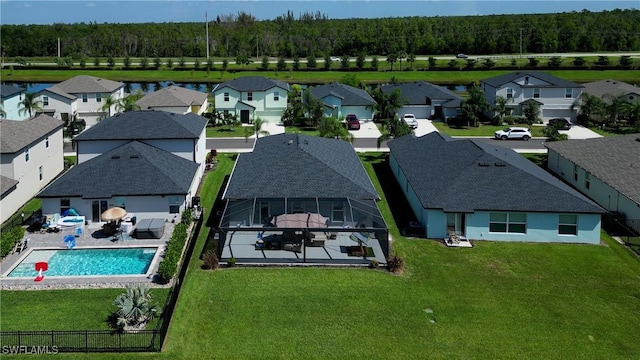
(410, 120)
(352, 122)
(513, 133)
(560, 123)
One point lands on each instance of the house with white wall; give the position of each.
(250, 97)
(175, 99)
(149, 162)
(10, 99)
(605, 169)
(425, 100)
(340, 100)
(485, 192)
(83, 95)
(32, 156)
(556, 97)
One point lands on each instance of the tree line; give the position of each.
(315, 35)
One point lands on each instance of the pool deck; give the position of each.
(91, 237)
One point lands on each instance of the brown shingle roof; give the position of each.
(88, 84)
(172, 96)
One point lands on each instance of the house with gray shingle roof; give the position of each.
(606, 169)
(148, 161)
(607, 89)
(342, 99)
(486, 192)
(175, 99)
(299, 174)
(426, 100)
(32, 156)
(555, 96)
(10, 98)
(83, 95)
(250, 97)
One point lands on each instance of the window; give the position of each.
(174, 204)
(514, 223)
(250, 96)
(536, 93)
(337, 212)
(568, 225)
(509, 93)
(568, 93)
(45, 101)
(85, 98)
(26, 155)
(46, 142)
(276, 96)
(575, 172)
(40, 172)
(587, 180)
(98, 97)
(65, 204)
(226, 96)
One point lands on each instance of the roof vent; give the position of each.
(500, 164)
(115, 157)
(290, 142)
(482, 163)
(134, 157)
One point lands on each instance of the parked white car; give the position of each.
(335, 58)
(410, 120)
(513, 133)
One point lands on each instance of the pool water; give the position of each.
(87, 262)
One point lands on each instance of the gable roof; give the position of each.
(145, 125)
(7, 91)
(416, 92)
(6, 184)
(553, 81)
(16, 135)
(615, 160)
(611, 87)
(296, 165)
(133, 169)
(349, 95)
(87, 84)
(172, 96)
(462, 175)
(252, 83)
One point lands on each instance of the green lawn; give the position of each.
(482, 129)
(301, 130)
(226, 131)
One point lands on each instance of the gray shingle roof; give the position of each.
(133, 169)
(252, 83)
(16, 135)
(553, 81)
(88, 84)
(144, 125)
(615, 160)
(461, 175)
(7, 91)
(6, 184)
(416, 92)
(350, 95)
(613, 88)
(58, 91)
(172, 96)
(295, 165)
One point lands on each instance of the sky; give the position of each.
(106, 11)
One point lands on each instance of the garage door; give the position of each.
(555, 113)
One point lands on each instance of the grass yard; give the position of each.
(483, 129)
(301, 130)
(225, 131)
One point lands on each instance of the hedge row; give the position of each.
(169, 264)
(9, 240)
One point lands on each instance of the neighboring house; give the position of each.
(82, 95)
(10, 98)
(485, 192)
(300, 174)
(341, 99)
(250, 97)
(175, 99)
(149, 161)
(607, 89)
(605, 169)
(555, 96)
(32, 156)
(425, 100)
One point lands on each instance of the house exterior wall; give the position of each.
(415, 204)
(600, 192)
(58, 103)
(265, 107)
(50, 158)
(184, 148)
(87, 150)
(361, 112)
(420, 111)
(11, 106)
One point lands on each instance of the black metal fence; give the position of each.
(25, 218)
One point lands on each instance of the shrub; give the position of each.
(211, 261)
(169, 264)
(135, 309)
(187, 217)
(514, 119)
(9, 240)
(374, 264)
(231, 262)
(395, 264)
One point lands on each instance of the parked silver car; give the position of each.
(513, 133)
(410, 120)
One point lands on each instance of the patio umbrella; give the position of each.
(114, 213)
(300, 221)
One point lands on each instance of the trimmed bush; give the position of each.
(169, 265)
(395, 264)
(211, 261)
(9, 239)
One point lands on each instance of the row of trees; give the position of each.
(316, 35)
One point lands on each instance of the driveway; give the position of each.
(425, 126)
(368, 129)
(580, 132)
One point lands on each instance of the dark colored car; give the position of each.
(352, 122)
(560, 123)
(462, 56)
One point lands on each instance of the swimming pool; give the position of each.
(88, 262)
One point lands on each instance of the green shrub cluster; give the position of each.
(168, 266)
(9, 239)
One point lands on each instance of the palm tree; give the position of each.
(255, 130)
(109, 102)
(129, 103)
(632, 110)
(475, 106)
(615, 108)
(30, 104)
(135, 309)
(589, 106)
(394, 128)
